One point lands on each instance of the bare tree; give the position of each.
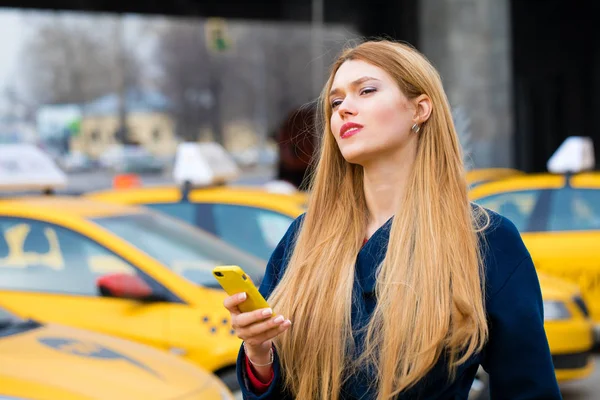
(282, 54)
(260, 77)
(73, 61)
(190, 78)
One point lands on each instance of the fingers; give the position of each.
(259, 328)
(249, 318)
(255, 327)
(271, 330)
(231, 303)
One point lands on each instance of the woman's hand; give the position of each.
(257, 329)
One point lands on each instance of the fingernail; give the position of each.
(287, 323)
(278, 320)
(242, 296)
(267, 312)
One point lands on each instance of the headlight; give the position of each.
(555, 311)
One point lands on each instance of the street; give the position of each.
(102, 179)
(587, 389)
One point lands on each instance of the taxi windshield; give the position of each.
(186, 250)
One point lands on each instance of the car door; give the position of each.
(49, 273)
(569, 246)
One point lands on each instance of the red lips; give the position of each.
(349, 129)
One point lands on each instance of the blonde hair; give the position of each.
(429, 288)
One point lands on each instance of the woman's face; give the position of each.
(370, 115)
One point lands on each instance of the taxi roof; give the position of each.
(174, 193)
(66, 205)
(482, 174)
(140, 194)
(537, 181)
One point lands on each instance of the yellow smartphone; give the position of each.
(234, 280)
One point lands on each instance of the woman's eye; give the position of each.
(367, 91)
(335, 103)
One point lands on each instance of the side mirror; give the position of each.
(124, 286)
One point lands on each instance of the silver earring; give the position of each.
(415, 128)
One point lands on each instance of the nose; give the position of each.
(347, 108)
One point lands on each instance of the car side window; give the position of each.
(183, 210)
(41, 257)
(575, 210)
(254, 230)
(518, 207)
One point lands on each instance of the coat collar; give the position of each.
(370, 256)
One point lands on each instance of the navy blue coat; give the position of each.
(517, 355)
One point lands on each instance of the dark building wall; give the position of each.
(468, 41)
(397, 19)
(556, 62)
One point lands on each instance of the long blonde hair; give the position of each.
(429, 289)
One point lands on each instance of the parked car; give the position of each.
(121, 270)
(253, 219)
(53, 362)
(558, 216)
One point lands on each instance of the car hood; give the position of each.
(78, 364)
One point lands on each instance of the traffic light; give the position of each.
(217, 35)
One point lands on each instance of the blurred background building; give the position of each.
(148, 124)
(525, 74)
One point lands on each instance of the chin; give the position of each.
(355, 155)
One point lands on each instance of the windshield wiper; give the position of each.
(6, 323)
(18, 324)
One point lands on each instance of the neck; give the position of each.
(385, 181)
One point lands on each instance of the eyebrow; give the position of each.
(355, 83)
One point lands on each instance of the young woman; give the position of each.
(393, 285)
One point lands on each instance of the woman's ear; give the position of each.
(423, 108)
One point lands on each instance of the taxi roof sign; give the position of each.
(280, 187)
(575, 154)
(203, 164)
(26, 167)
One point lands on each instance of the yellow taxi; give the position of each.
(253, 219)
(558, 215)
(121, 270)
(55, 362)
